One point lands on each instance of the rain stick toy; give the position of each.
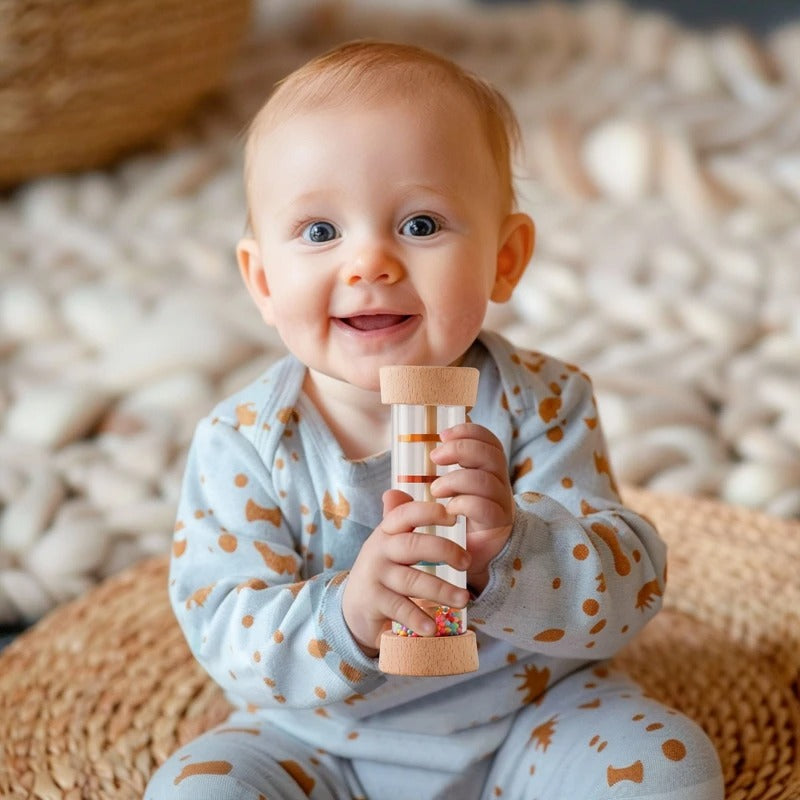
(425, 401)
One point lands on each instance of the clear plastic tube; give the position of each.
(415, 432)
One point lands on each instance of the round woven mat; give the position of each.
(83, 81)
(97, 694)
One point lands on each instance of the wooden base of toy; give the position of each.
(428, 656)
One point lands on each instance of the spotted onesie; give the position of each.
(271, 518)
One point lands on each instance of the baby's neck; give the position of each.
(356, 417)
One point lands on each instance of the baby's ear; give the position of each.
(248, 254)
(517, 238)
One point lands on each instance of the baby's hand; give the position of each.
(481, 491)
(383, 578)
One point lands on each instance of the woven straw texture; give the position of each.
(83, 81)
(97, 694)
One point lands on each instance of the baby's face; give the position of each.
(378, 229)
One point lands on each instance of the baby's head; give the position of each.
(380, 193)
(364, 73)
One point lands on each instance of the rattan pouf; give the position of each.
(83, 81)
(98, 693)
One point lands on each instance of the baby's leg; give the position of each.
(247, 759)
(595, 736)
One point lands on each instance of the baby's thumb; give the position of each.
(393, 498)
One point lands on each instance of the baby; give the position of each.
(382, 223)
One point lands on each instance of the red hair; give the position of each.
(368, 71)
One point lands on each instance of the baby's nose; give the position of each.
(373, 265)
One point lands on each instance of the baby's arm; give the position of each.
(237, 587)
(579, 573)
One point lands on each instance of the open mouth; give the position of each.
(374, 322)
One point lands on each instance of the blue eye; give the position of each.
(319, 232)
(421, 225)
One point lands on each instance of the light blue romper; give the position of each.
(273, 515)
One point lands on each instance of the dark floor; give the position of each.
(760, 16)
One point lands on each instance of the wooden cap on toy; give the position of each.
(428, 656)
(429, 386)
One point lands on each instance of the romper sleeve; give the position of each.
(263, 630)
(580, 573)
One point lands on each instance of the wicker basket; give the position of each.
(102, 690)
(83, 81)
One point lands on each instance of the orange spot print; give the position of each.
(596, 703)
(654, 726)
(352, 735)
(674, 750)
(321, 712)
(517, 563)
(275, 561)
(600, 672)
(204, 768)
(246, 414)
(601, 582)
(590, 422)
(604, 468)
(542, 735)
(534, 682)
(256, 656)
(338, 578)
(350, 672)
(199, 597)
(279, 463)
(277, 637)
(549, 408)
(335, 512)
(247, 620)
(587, 510)
(354, 698)
(179, 526)
(555, 434)
(549, 635)
(320, 692)
(227, 542)
(178, 547)
(567, 483)
(602, 747)
(598, 627)
(580, 551)
(590, 607)
(295, 588)
(287, 415)
(556, 583)
(637, 717)
(622, 563)
(633, 773)
(647, 594)
(299, 776)
(497, 791)
(199, 514)
(532, 497)
(240, 480)
(311, 529)
(521, 469)
(637, 556)
(328, 560)
(255, 513)
(256, 584)
(271, 683)
(318, 648)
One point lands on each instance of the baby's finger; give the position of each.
(412, 582)
(411, 548)
(477, 482)
(409, 515)
(481, 514)
(470, 430)
(471, 453)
